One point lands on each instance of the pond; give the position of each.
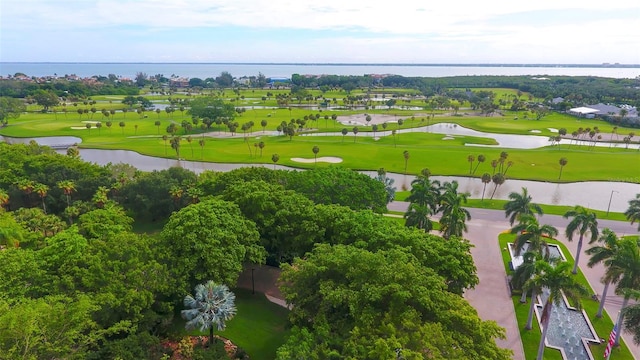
(56, 142)
(512, 141)
(591, 194)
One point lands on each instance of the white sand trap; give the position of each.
(535, 131)
(90, 122)
(553, 130)
(327, 159)
(448, 138)
(78, 128)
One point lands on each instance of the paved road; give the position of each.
(491, 296)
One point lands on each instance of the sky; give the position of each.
(324, 31)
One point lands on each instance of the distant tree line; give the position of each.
(63, 87)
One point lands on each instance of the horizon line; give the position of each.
(609, 65)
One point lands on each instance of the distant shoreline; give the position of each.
(615, 65)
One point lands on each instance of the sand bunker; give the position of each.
(448, 138)
(553, 130)
(327, 159)
(78, 128)
(535, 131)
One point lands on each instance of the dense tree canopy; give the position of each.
(353, 303)
(210, 241)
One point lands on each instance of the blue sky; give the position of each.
(348, 31)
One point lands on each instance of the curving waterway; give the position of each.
(600, 195)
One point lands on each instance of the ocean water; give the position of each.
(205, 70)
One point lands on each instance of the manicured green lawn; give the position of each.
(531, 338)
(259, 326)
(441, 156)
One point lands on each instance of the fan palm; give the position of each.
(212, 304)
(602, 253)
(583, 222)
(530, 232)
(523, 273)
(555, 280)
(519, 204)
(418, 216)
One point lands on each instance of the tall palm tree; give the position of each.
(480, 159)
(520, 204)
(556, 281)
(315, 150)
(42, 190)
(602, 254)
(212, 304)
(406, 156)
(624, 270)
(498, 179)
(471, 159)
(583, 222)
(633, 212)
(486, 178)
(563, 161)
(275, 158)
(530, 232)
(68, 187)
(454, 215)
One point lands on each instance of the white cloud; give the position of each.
(414, 30)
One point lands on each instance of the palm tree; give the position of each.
(471, 159)
(355, 133)
(603, 253)
(275, 158)
(530, 232)
(212, 304)
(520, 204)
(480, 159)
(42, 190)
(454, 215)
(632, 318)
(175, 145)
(201, 142)
(344, 132)
(486, 178)
(563, 161)
(406, 160)
(498, 179)
(623, 269)
(417, 216)
(524, 272)
(315, 150)
(633, 212)
(556, 281)
(68, 187)
(425, 192)
(122, 124)
(583, 222)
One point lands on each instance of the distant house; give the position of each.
(557, 100)
(179, 82)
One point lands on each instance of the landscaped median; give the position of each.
(531, 338)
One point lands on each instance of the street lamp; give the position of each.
(610, 197)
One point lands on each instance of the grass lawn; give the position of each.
(531, 338)
(259, 326)
(131, 131)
